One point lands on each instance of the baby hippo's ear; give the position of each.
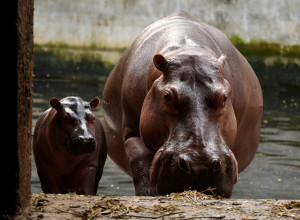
(94, 103)
(54, 103)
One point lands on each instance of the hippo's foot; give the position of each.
(144, 187)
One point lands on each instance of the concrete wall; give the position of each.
(116, 23)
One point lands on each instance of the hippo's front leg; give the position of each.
(140, 159)
(49, 182)
(85, 182)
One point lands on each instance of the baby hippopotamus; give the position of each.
(69, 147)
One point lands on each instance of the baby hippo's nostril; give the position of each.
(91, 140)
(216, 166)
(82, 139)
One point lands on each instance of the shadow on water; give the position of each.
(275, 170)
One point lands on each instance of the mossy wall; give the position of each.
(264, 48)
(57, 61)
(116, 23)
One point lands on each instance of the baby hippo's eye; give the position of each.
(167, 96)
(91, 117)
(66, 117)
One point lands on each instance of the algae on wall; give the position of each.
(264, 48)
(270, 61)
(64, 62)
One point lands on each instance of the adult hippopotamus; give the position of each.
(182, 109)
(69, 147)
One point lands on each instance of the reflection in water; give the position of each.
(275, 170)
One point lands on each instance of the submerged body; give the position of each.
(182, 109)
(69, 147)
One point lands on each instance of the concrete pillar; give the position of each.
(16, 107)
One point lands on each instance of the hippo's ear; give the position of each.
(222, 60)
(160, 62)
(54, 103)
(94, 103)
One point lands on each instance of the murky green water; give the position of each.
(275, 170)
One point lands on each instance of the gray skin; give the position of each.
(69, 147)
(182, 109)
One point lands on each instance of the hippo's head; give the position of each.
(74, 124)
(188, 119)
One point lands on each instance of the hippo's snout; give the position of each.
(176, 172)
(81, 145)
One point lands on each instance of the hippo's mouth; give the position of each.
(77, 148)
(154, 169)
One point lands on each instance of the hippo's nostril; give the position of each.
(82, 139)
(91, 140)
(182, 164)
(216, 166)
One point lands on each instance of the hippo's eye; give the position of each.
(225, 97)
(170, 97)
(218, 99)
(167, 96)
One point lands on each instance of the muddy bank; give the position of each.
(187, 205)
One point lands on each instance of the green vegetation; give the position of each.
(263, 48)
(91, 46)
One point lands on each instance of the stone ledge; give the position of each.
(186, 205)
